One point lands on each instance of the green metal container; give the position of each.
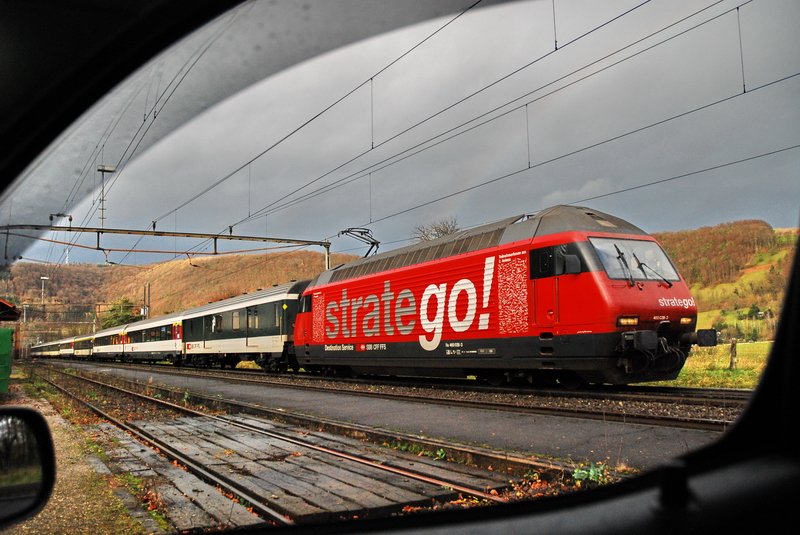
(6, 353)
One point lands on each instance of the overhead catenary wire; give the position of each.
(605, 141)
(624, 190)
(373, 145)
(432, 141)
(685, 175)
(375, 167)
(500, 178)
(458, 102)
(169, 90)
(318, 114)
(370, 81)
(585, 148)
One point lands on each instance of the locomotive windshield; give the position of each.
(634, 259)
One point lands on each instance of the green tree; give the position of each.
(719, 324)
(121, 312)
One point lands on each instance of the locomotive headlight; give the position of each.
(686, 320)
(628, 321)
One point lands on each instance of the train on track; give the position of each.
(568, 295)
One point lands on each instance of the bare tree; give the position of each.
(435, 229)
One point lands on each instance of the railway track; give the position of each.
(718, 396)
(283, 474)
(702, 409)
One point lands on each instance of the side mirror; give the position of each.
(572, 264)
(27, 464)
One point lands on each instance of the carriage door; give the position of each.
(252, 326)
(545, 287)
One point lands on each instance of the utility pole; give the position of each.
(103, 169)
(146, 301)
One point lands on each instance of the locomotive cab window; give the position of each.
(634, 259)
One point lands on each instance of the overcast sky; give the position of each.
(570, 127)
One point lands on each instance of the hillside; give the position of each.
(737, 272)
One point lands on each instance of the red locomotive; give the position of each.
(568, 295)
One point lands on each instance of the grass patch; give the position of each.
(706, 319)
(707, 367)
(415, 449)
(132, 482)
(91, 446)
(161, 520)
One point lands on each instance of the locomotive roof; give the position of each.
(553, 220)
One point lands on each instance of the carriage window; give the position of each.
(235, 320)
(215, 324)
(252, 318)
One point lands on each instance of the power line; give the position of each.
(317, 115)
(313, 118)
(318, 192)
(588, 147)
(170, 88)
(375, 167)
(427, 144)
(263, 209)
